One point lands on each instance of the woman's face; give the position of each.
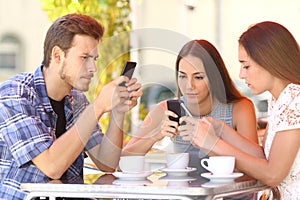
(256, 77)
(192, 80)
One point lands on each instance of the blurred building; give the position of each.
(22, 28)
(160, 28)
(219, 21)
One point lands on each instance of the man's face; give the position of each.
(79, 63)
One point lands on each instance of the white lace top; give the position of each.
(284, 114)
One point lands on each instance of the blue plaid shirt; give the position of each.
(27, 128)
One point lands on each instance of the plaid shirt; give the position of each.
(27, 128)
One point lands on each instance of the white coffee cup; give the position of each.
(132, 164)
(177, 160)
(219, 165)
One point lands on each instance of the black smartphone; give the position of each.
(128, 70)
(174, 106)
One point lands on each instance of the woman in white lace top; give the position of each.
(270, 61)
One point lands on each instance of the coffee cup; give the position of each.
(132, 164)
(219, 165)
(177, 160)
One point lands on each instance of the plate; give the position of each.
(178, 172)
(132, 176)
(177, 178)
(128, 182)
(221, 178)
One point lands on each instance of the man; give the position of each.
(46, 122)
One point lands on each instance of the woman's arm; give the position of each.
(250, 157)
(244, 119)
(284, 149)
(205, 133)
(151, 131)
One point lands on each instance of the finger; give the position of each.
(184, 124)
(122, 92)
(186, 119)
(120, 80)
(131, 82)
(170, 129)
(186, 129)
(166, 133)
(170, 113)
(168, 123)
(133, 102)
(136, 94)
(134, 87)
(169, 126)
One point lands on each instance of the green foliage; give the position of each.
(115, 47)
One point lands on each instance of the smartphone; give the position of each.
(128, 70)
(174, 106)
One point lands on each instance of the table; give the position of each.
(155, 188)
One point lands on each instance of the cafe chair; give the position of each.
(270, 194)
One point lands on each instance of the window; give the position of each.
(9, 53)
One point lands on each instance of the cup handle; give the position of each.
(204, 163)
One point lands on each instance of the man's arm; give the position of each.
(55, 160)
(106, 156)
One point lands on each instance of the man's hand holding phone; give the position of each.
(128, 70)
(132, 88)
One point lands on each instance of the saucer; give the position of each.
(221, 178)
(132, 176)
(177, 178)
(178, 172)
(134, 183)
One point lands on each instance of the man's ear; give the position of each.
(57, 54)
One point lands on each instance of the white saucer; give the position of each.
(221, 178)
(178, 172)
(177, 178)
(127, 182)
(132, 176)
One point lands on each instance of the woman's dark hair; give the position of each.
(63, 30)
(220, 83)
(274, 48)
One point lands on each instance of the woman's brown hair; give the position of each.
(274, 48)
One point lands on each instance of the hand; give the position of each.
(200, 132)
(219, 125)
(168, 127)
(134, 92)
(111, 95)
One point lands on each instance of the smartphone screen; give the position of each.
(174, 106)
(128, 70)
